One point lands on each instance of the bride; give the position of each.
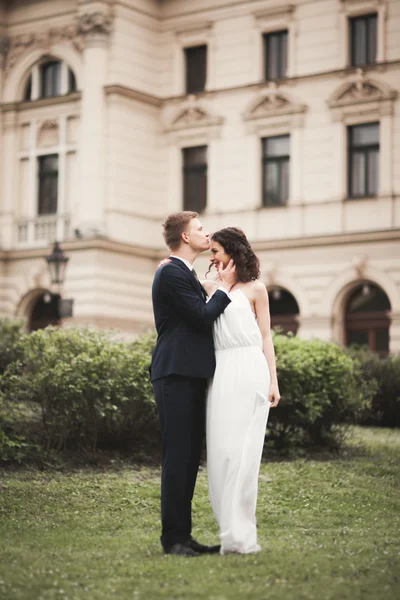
(243, 390)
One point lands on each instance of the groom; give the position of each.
(183, 360)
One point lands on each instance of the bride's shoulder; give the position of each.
(258, 288)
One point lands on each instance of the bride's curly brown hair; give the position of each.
(235, 243)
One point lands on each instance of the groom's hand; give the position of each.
(227, 275)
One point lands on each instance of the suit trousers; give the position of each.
(181, 403)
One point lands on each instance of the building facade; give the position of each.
(280, 118)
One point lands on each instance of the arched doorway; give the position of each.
(367, 318)
(284, 310)
(45, 312)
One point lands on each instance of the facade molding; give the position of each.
(271, 105)
(132, 94)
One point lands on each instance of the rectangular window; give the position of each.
(275, 170)
(363, 157)
(48, 184)
(275, 55)
(50, 76)
(196, 69)
(363, 36)
(195, 178)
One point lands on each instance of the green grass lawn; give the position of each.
(329, 530)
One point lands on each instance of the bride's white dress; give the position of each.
(237, 413)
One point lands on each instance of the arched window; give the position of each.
(284, 310)
(49, 78)
(367, 318)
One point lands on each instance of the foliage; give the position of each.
(328, 530)
(83, 389)
(11, 348)
(320, 387)
(382, 375)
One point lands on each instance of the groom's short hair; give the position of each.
(175, 225)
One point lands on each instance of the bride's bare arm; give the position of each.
(261, 305)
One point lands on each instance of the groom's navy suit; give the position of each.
(183, 360)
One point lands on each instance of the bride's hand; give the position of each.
(274, 395)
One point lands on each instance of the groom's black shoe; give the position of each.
(201, 548)
(181, 549)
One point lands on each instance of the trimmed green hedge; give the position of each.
(382, 376)
(82, 390)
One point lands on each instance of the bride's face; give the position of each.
(218, 254)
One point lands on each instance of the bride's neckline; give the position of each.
(248, 301)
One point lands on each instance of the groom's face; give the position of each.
(195, 235)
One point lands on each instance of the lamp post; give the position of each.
(57, 263)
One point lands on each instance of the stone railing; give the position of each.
(42, 230)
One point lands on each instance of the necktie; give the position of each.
(203, 292)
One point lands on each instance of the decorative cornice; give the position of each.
(132, 94)
(27, 105)
(43, 40)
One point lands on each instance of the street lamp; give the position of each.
(57, 262)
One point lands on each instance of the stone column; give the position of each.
(95, 28)
(8, 179)
(394, 332)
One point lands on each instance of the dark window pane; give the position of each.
(358, 174)
(196, 156)
(373, 172)
(28, 89)
(276, 170)
(372, 39)
(71, 81)
(363, 33)
(272, 184)
(195, 178)
(277, 146)
(48, 184)
(365, 134)
(275, 55)
(51, 79)
(364, 160)
(284, 182)
(196, 69)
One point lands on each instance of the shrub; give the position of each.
(320, 387)
(382, 375)
(83, 390)
(11, 348)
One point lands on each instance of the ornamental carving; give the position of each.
(360, 89)
(272, 103)
(22, 44)
(97, 22)
(192, 115)
(14, 48)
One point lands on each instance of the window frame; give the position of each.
(43, 176)
(267, 37)
(352, 41)
(200, 169)
(365, 150)
(192, 49)
(279, 160)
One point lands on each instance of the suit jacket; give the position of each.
(184, 323)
